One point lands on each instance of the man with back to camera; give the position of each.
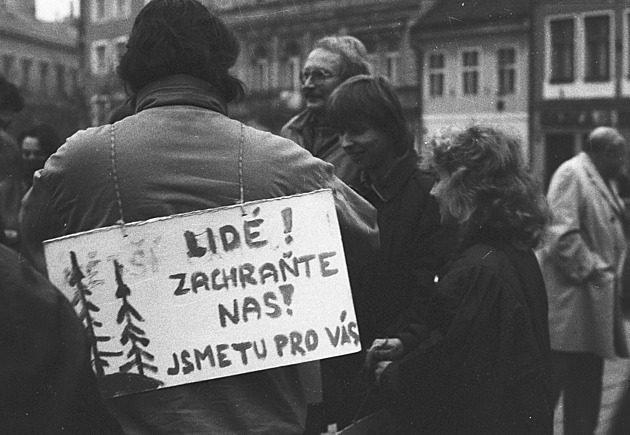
(333, 60)
(582, 262)
(180, 152)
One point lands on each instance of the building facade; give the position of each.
(43, 60)
(581, 76)
(276, 37)
(106, 27)
(474, 59)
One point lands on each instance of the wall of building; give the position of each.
(43, 61)
(276, 37)
(454, 107)
(565, 110)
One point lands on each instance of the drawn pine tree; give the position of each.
(86, 308)
(131, 333)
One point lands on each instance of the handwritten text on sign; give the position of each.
(210, 294)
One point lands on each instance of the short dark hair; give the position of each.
(490, 190)
(180, 37)
(370, 101)
(10, 98)
(354, 58)
(47, 136)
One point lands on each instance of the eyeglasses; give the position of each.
(317, 76)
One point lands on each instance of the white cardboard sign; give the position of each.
(211, 293)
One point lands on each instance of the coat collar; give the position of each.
(395, 179)
(611, 196)
(180, 89)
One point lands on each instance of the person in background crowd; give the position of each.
(332, 60)
(48, 386)
(36, 145)
(620, 423)
(582, 262)
(180, 152)
(11, 102)
(479, 362)
(373, 132)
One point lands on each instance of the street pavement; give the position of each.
(616, 375)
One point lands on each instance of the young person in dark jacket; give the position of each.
(480, 361)
(374, 133)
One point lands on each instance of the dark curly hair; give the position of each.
(370, 101)
(180, 37)
(490, 192)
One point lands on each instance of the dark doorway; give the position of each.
(559, 147)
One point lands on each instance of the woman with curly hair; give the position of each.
(479, 361)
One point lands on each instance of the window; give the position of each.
(99, 10)
(61, 79)
(293, 69)
(100, 110)
(120, 46)
(391, 44)
(291, 65)
(470, 77)
(99, 58)
(562, 51)
(123, 8)
(436, 75)
(74, 81)
(262, 74)
(26, 72)
(43, 77)
(392, 67)
(261, 68)
(597, 48)
(7, 64)
(507, 70)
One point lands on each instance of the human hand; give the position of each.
(601, 277)
(383, 349)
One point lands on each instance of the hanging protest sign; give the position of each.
(210, 293)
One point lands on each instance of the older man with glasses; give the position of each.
(333, 60)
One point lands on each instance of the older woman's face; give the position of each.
(439, 192)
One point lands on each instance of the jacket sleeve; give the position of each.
(567, 245)
(430, 356)
(39, 221)
(359, 229)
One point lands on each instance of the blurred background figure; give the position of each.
(48, 386)
(11, 102)
(36, 145)
(332, 60)
(582, 261)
